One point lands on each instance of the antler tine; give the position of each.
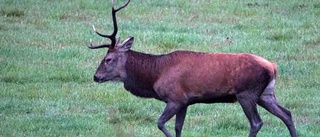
(115, 25)
(91, 46)
(100, 34)
(112, 36)
(116, 10)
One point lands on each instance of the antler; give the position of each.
(112, 37)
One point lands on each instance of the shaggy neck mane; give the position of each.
(144, 67)
(142, 72)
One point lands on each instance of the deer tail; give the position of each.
(275, 69)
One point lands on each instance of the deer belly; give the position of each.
(144, 93)
(222, 95)
(212, 98)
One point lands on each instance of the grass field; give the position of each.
(46, 70)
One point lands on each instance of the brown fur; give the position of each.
(195, 75)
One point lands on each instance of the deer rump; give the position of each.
(194, 77)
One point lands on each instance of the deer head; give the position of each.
(112, 65)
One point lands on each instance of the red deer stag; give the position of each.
(183, 78)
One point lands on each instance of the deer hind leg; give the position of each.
(268, 101)
(249, 106)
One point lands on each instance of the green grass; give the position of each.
(46, 86)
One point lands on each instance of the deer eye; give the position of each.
(108, 60)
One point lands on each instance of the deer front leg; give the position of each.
(170, 110)
(180, 116)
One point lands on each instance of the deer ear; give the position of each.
(126, 44)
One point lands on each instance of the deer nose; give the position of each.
(96, 79)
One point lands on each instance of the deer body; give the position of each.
(193, 77)
(183, 78)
